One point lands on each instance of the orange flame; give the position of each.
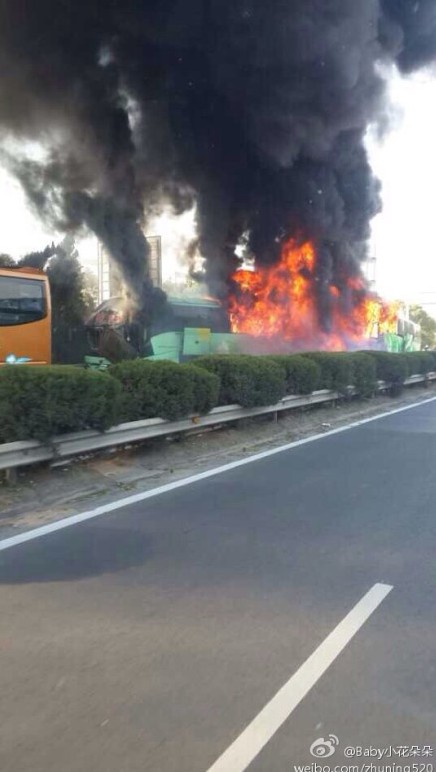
(280, 301)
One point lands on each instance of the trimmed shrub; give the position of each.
(206, 389)
(249, 381)
(163, 389)
(39, 402)
(302, 375)
(419, 362)
(391, 368)
(336, 369)
(363, 373)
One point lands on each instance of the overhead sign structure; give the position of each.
(109, 277)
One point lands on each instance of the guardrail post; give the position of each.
(11, 475)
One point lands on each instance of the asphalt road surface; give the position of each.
(236, 621)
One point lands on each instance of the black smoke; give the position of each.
(257, 110)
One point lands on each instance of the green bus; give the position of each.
(184, 327)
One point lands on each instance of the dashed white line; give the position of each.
(260, 731)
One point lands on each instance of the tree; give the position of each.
(66, 284)
(90, 291)
(6, 261)
(428, 326)
(38, 259)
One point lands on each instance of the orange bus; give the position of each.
(25, 317)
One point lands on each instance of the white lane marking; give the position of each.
(127, 501)
(260, 731)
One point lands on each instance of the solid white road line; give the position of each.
(257, 734)
(127, 501)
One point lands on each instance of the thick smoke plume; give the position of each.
(256, 109)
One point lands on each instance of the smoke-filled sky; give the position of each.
(257, 111)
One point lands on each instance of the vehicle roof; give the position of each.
(173, 300)
(23, 271)
(193, 300)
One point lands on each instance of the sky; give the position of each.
(403, 236)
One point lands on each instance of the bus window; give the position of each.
(22, 300)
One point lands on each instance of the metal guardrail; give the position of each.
(25, 453)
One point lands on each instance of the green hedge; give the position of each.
(363, 373)
(302, 375)
(419, 362)
(336, 369)
(206, 389)
(391, 368)
(249, 381)
(44, 401)
(39, 402)
(163, 389)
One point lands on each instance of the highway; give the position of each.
(233, 622)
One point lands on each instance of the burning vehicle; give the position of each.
(269, 309)
(182, 327)
(283, 301)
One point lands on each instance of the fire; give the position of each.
(281, 301)
(381, 317)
